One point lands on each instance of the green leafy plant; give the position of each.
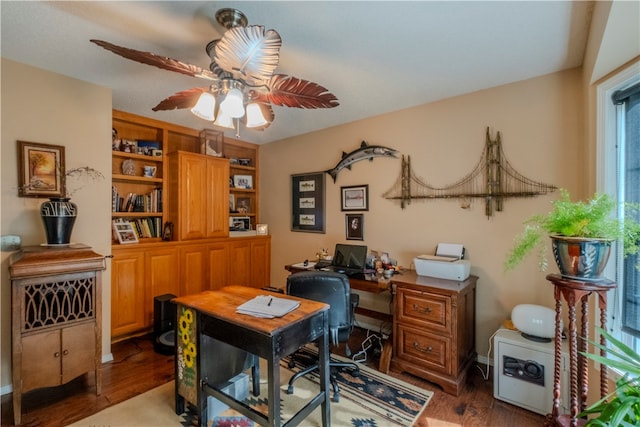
(622, 406)
(592, 219)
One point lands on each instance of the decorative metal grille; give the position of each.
(49, 304)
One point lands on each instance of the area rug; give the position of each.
(370, 399)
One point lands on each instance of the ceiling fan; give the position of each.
(244, 85)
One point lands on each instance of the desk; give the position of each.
(364, 282)
(213, 314)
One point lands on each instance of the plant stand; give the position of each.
(574, 292)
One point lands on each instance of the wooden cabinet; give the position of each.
(56, 317)
(198, 204)
(250, 261)
(127, 291)
(218, 265)
(434, 328)
(162, 268)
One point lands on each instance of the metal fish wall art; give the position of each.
(365, 152)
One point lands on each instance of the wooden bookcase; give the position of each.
(195, 191)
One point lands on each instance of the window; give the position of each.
(619, 174)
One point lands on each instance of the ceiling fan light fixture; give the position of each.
(224, 121)
(230, 18)
(205, 107)
(232, 105)
(255, 118)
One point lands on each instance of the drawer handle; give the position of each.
(427, 349)
(421, 309)
(56, 354)
(65, 352)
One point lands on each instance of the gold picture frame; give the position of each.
(41, 170)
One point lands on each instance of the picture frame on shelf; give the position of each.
(146, 148)
(243, 181)
(262, 229)
(355, 198)
(243, 205)
(125, 233)
(41, 170)
(354, 225)
(308, 202)
(232, 203)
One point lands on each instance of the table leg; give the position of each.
(274, 390)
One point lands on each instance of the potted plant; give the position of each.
(622, 406)
(581, 234)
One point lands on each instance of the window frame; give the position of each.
(607, 175)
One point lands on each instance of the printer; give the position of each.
(447, 263)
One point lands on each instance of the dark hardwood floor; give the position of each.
(136, 368)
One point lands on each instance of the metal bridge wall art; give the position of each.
(492, 179)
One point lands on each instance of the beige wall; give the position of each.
(541, 125)
(40, 106)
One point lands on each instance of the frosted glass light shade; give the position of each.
(255, 118)
(534, 320)
(232, 105)
(205, 106)
(224, 121)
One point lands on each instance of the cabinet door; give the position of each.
(162, 270)
(192, 196)
(193, 269)
(41, 360)
(217, 212)
(239, 266)
(127, 292)
(218, 256)
(78, 350)
(260, 262)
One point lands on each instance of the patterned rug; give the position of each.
(370, 399)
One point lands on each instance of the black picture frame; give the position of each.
(308, 202)
(354, 198)
(354, 226)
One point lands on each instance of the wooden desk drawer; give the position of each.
(430, 310)
(423, 349)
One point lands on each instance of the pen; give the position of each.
(269, 303)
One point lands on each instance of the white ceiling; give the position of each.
(376, 57)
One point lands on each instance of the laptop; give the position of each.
(348, 259)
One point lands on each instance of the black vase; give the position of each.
(58, 216)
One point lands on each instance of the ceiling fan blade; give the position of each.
(157, 61)
(185, 99)
(249, 53)
(289, 91)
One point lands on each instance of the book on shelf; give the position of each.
(150, 202)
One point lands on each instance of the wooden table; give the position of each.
(574, 292)
(213, 314)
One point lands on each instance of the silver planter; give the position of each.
(580, 258)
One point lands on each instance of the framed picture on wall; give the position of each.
(355, 198)
(41, 170)
(307, 202)
(354, 225)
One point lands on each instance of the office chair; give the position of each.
(332, 289)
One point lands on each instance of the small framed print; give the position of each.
(243, 181)
(243, 205)
(41, 170)
(262, 229)
(125, 233)
(355, 198)
(354, 224)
